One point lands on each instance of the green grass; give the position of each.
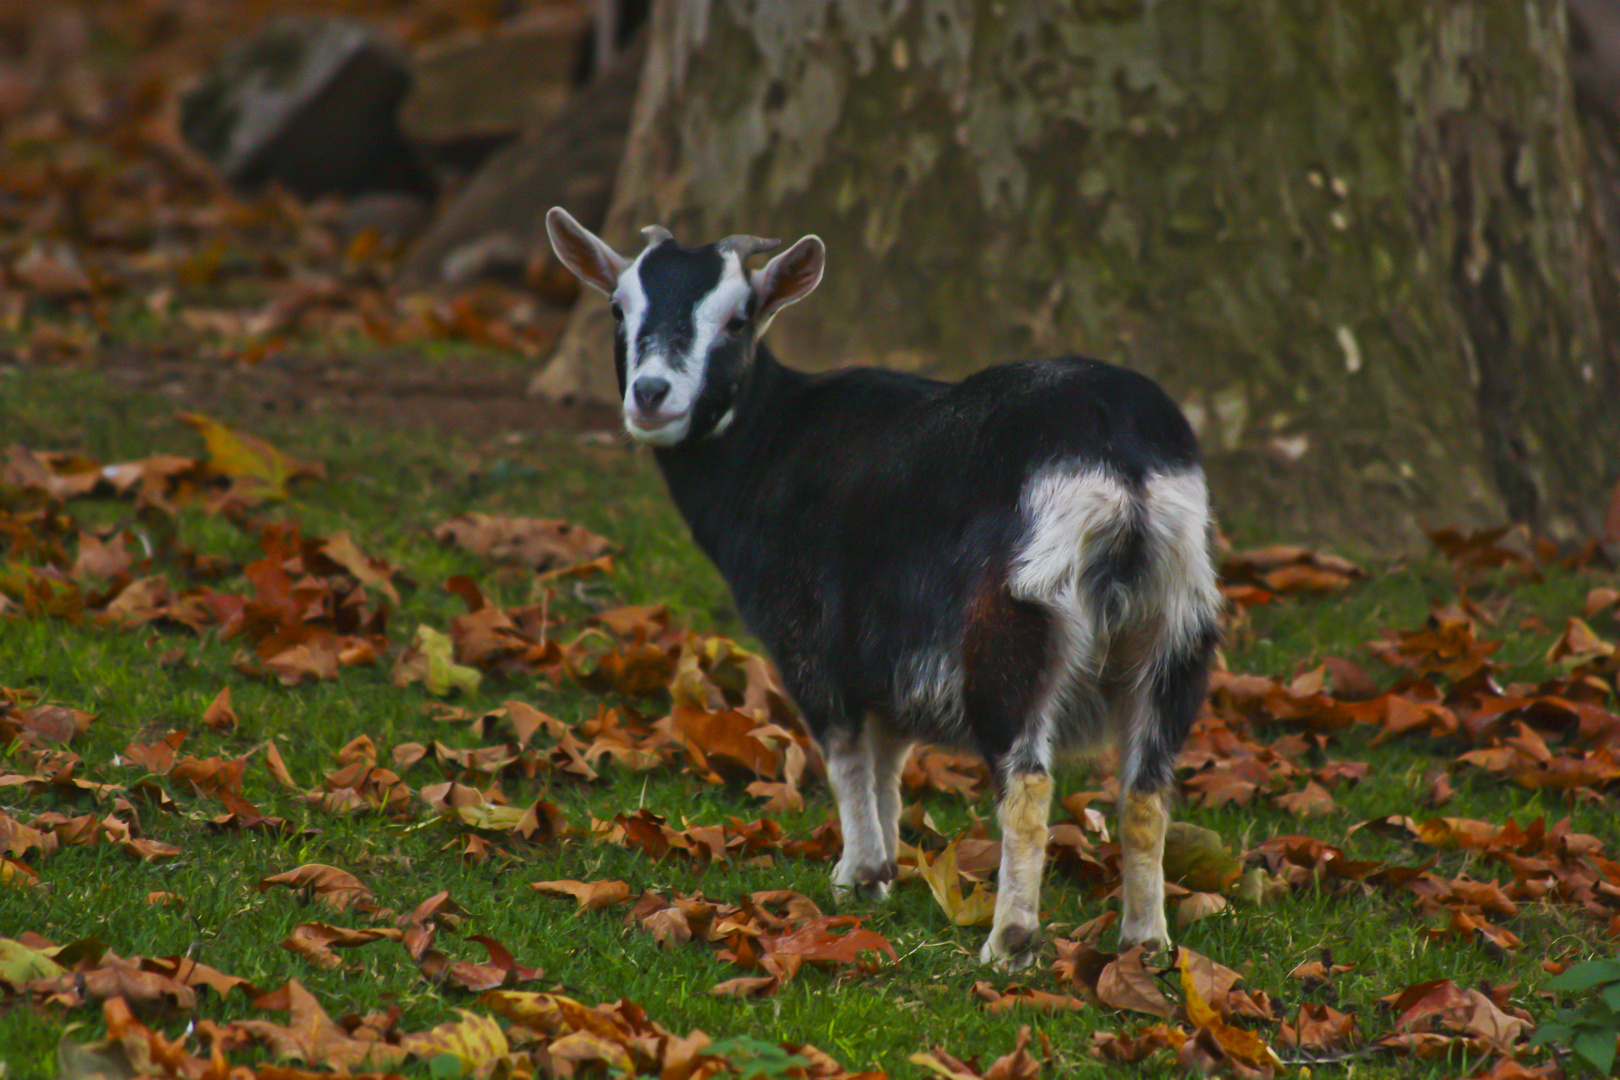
(388, 487)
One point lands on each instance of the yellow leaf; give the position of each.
(241, 456)
(473, 1040)
(1197, 858)
(492, 817)
(431, 658)
(977, 909)
(1240, 1044)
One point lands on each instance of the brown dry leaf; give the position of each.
(1578, 643)
(1131, 1049)
(158, 757)
(190, 973)
(311, 1036)
(501, 970)
(940, 770)
(1419, 1005)
(341, 550)
(817, 941)
(337, 889)
(1024, 997)
(591, 895)
(1125, 983)
(1198, 905)
(1016, 1065)
(219, 716)
(1321, 1028)
(55, 723)
(535, 543)
(1239, 1044)
(315, 941)
(1288, 569)
(1312, 800)
(1602, 597)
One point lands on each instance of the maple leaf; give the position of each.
(1311, 801)
(431, 661)
(337, 889)
(311, 1035)
(1198, 858)
(315, 941)
(260, 470)
(475, 1041)
(1125, 983)
(535, 543)
(1024, 997)
(817, 941)
(944, 881)
(1238, 1044)
(591, 895)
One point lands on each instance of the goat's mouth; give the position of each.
(656, 427)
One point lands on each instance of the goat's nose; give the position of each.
(650, 392)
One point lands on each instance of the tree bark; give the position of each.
(1354, 240)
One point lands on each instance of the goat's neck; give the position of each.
(714, 482)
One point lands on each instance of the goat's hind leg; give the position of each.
(1154, 719)
(863, 770)
(1006, 693)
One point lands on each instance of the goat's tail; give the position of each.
(1183, 601)
(1119, 557)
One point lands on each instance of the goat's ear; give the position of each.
(788, 278)
(583, 252)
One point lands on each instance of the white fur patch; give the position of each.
(1182, 582)
(1072, 516)
(851, 775)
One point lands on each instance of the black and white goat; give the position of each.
(1016, 564)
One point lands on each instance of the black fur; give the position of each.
(864, 516)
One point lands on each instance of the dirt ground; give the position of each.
(471, 396)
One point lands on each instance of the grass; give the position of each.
(387, 486)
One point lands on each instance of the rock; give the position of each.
(393, 217)
(311, 104)
(497, 221)
(514, 80)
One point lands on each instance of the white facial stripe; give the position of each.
(729, 297)
(726, 299)
(632, 300)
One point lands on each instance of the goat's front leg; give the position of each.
(1142, 823)
(855, 770)
(1022, 810)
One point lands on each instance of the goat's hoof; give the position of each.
(1154, 940)
(869, 883)
(1012, 947)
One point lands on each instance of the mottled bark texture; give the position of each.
(1353, 239)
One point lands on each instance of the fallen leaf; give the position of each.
(975, 909)
(591, 895)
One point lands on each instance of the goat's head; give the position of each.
(687, 319)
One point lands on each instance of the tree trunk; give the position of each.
(1354, 240)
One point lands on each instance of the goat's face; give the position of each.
(687, 320)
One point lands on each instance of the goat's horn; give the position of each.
(655, 233)
(745, 246)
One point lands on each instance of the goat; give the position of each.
(1015, 564)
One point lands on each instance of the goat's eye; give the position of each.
(618, 312)
(737, 324)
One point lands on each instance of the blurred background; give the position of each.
(1369, 247)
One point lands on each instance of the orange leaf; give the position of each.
(591, 895)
